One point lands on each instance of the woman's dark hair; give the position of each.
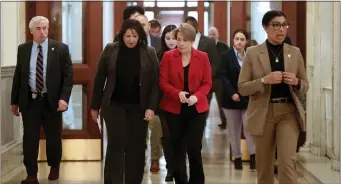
(128, 11)
(244, 32)
(164, 47)
(135, 25)
(268, 16)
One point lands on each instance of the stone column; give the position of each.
(313, 62)
(337, 84)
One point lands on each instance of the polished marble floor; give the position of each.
(217, 165)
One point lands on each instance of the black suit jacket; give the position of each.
(229, 76)
(221, 47)
(59, 74)
(208, 45)
(105, 79)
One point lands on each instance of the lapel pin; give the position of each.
(289, 55)
(52, 49)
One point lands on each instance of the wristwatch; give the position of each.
(263, 80)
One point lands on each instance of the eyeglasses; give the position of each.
(277, 25)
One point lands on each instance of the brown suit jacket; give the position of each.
(105, 79)
(255, 67)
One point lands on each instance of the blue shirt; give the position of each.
(33, 64)
(239, 57)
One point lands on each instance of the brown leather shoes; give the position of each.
(54, 173)
(155, 167)
(30, 180)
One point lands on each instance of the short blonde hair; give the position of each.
(187, 31)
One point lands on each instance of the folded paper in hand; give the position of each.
(99, 124)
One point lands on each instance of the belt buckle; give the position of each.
(34, 96)
(42, 95)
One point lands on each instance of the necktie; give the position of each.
(39, 70)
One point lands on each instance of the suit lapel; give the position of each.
(27, 56)
(201, 43)
(113, 58)
(143, 57)
(234, 59)
(264, 58)
(50, 50)
(287, 58)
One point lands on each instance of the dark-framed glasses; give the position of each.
(277, 25)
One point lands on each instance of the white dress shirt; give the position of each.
(197, 40)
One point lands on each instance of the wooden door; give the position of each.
(78, 24)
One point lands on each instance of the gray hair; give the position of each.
(215, 29)
(36, 19)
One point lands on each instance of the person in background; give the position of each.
(130, 12)
(273, 74)
(205, 44)
(41, 90)
(155, 123)
(234, 104)
(153, 41)
(127, 101)
(185, 81)
(155, 28)
(221, 47)
(168, 42)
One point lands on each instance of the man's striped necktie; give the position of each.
(39, 70)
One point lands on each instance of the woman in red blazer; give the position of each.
(185, 80)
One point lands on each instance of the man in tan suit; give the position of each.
(273, 74)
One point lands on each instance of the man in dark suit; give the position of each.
(221, 47)
(205, 44)
(153, 41)
(155, 123)
(130, 12)
(41, 90)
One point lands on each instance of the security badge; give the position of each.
(34, 96)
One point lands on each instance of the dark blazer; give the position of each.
(59, 74)
(208, 45)
(221, 47)
(172, 80)
(105, 79)
(229, 76)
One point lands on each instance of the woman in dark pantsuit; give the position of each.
(126, 91)
(185, 81)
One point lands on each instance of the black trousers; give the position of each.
(39, 113)
(166, 143)
(217, 89)
(125, 156)
(186, 132)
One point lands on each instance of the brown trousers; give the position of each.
(281, 129)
